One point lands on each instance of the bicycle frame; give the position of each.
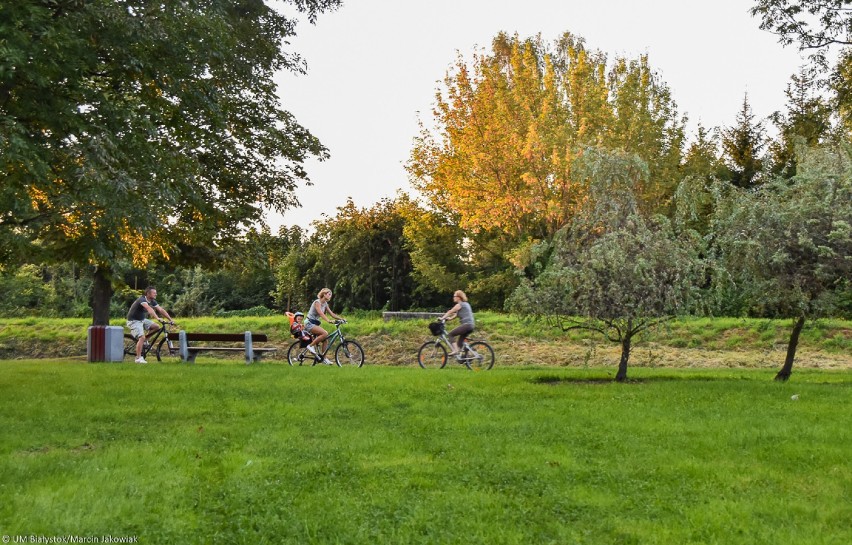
(333, 337)
(445, 337)
(151, 341)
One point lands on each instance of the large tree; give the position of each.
(140, 129)
(508, 129)
(815, 25)
(362, 255)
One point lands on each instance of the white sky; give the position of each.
(375, 65)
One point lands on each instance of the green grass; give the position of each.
(224, 453)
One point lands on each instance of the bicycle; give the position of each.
(165, 349)
(476, 356)
(347, 351)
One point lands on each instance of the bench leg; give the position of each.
(184, 348)
(250, 357)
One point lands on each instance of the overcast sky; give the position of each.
(374, 67)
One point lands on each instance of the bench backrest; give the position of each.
(219, 337)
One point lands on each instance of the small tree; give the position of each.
(787, 247)
(611, 270)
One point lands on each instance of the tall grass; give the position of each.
(222, 453)
(517, 341)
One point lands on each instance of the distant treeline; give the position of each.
(546, 170)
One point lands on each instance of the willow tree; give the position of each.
(613, 269)
(786, 248)
(140, 129)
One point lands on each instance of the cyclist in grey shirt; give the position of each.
(463, 310)
(137, 320)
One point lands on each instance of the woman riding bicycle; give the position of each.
(463, 310)
(320, 310)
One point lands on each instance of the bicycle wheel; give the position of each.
(349, 353)
(481, 358)
(432, 355)
(296, 354)
(168, 351)
(129, 345)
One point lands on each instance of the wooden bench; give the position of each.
(386, 316)
(247, 340)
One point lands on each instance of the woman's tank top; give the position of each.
(466, 314)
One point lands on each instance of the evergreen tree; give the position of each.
(742, 145)
(701, 168)
(805, 123)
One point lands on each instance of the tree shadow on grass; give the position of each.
(556, 380)
(548, 380)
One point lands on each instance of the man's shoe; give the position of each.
(328, 361)
(140, 359)
(311, 349)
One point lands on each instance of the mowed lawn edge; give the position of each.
(223, 453)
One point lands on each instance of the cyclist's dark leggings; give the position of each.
(461, 331)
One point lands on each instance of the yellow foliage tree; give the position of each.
(510, 125)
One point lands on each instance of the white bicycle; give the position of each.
(476, 356)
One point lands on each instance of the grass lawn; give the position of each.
(224, 453)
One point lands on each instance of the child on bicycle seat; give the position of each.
(297, 329)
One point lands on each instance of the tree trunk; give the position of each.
(787, 370)
(101, 295)
(621, 376)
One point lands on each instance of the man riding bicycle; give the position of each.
(139, 325)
